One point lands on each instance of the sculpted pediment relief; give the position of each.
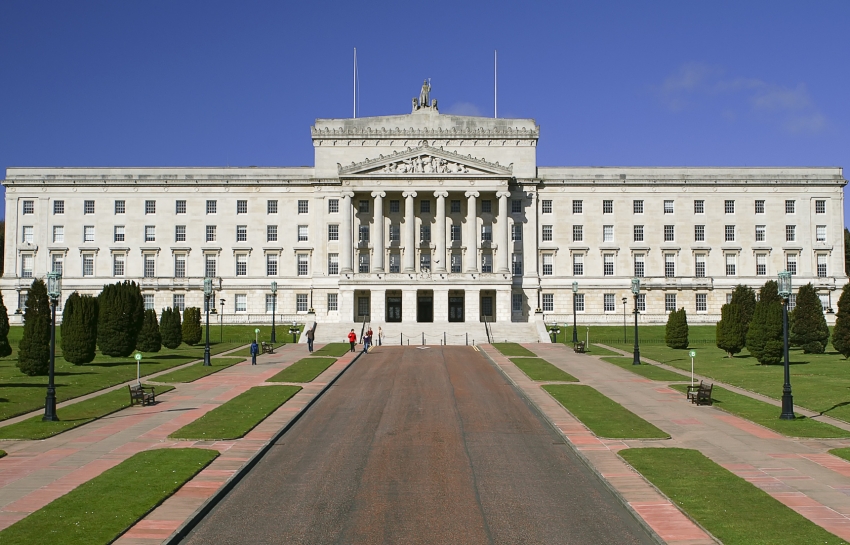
(426, 161)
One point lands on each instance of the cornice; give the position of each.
(397, 132)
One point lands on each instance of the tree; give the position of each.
(5, 347)
(676, 334)
(846, 251)
(745, 299)
(730, 333)
(192, 325)
(808, 329)
(841, 331)
(79, 328)
(170, 328)
(764, 337)
(34, 349)
(149, 339)
(121, 314)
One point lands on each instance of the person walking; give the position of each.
(254, 351)
(352, 338)
(367, 340)
(380, 338)
(310, 336)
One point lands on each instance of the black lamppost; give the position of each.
(54, 290)
(636, 292)
(624, 319)
(207, 295)
(221, 321)
(274, 309)
(787, 398)
(554, 330)
(575, 330)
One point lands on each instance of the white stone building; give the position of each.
(427, 217)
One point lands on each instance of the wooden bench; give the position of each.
(700, 395)
(579, 347)
(267, 348)
(143, 394)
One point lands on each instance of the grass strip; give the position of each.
(602, 415)
(238, 416)
(73, 415)
(304, 370)
(514, 349)
(843, 453)
(194, 372)
(98, 511)
(594, 350)
(767, 415)
(332, 349)
(726, 505)
(540, 369)
(2, 453)
(646, 370)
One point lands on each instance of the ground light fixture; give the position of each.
(274, 310)
(787, 398)
(625, 299)
(636, 293)
(294, 330)
(54, 290)
(221, 321)
(207, 295)
(554, 330)
(575, 330)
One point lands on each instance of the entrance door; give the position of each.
(487, 308)
(363, 308)
(455, 309)
(393, 309)
(425, 308)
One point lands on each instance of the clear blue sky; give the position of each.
(166, 83)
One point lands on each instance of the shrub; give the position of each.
(121, 313)
(34, 349)
(5, 347)
(841, 331)
(809, 330)
(764, 337)
(676, 334)
(79, 328)
(745, 299)
(192, 325)
(730, 333)
(170, 328)
(150, 339)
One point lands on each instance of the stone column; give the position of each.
(529, 241)
(471, 232)
(378, 258)
(502, 244)
(440, 253)
(409, 232)
(345, 242)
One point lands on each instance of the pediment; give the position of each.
(425, 161)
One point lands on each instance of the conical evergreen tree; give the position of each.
(745, 299)
(808, 329)
(764, 336)
(5, 347)
(192, 325)
(34, 349)
(120, 318)
(79, 328)
(676, 333)
(731, 335)
(841, 331)
(170, 328)
(150, 339)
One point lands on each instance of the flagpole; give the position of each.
(495, 84)
(355, 83)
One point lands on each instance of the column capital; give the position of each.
(409, 194)
(469, 194)
(503, 194)
(347, 194)
(380, 194)
(442, 194)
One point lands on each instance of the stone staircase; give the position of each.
(433, 333)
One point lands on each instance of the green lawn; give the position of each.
(196, 371)
(594, 350)
(73, 415)
(513, 349)
(843, 453)
(238, 416)
(542, 370)
(2, 453)
(332, 349)
(98, 511)
(733, 510)
(303, 370)
(602, 415)
(652, 372)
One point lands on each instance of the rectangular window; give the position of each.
(455, 263)
(59, 207)
(424, 233)
(179, 233)
(516, 232)
(270, 303)
(578, 264)
(455, 233)
(640, 266)
(486, 263)
(395, 207)
(669, 302)
(333, 264)
(302, 264)
(88, 207)
(241, 302)
(729, 233)
(486, 206)
(486, 233)
(607, 233)
(120, 207)
(516, 262)
(395, 263)
(731, 264)
(150, 266)
(548, 263)
(792, 302)
(548, 302)
(271, 233)
(760, 233)
(547, 233)
(608, 264)
(241, 206)
(241, 233)
(729, 206)
(271, 206)
(578, 300)
(150, 233)
(28, 207)
(669, 233)
(578, 206)
(607, 207)
(761, 264)
(26, 265)
(516, 302)
(820, 233)
(271, 264)
(149, 301)
(303, 234)
(699, 206)
(395, 233)
(516, 206)
(790, 207)
(180, 266)
(425, 261)
(641, 302)
(58, 233)
(790, 233)
(637, 206)
(118, 261)
(363, 233)
(178, 301)
(27, 234)
(578, 233)
(699, 265)
(668, 207)
(210, 266)
(670, 265)
(791, 264)
(820, 207)
(362, 207)
(759, 207)
(547, 206)
(180, 207)
(363, 262)
(303, 207)
(333, 206)
(638, 233)
(425, 207)
(212, 206)
(118, 233)
(699, 233)
(702, 303)
(241, 265)
(821, 265)
(608, 302)
(150, 207)
(88, 264)
(333, 232)
(88, 233)
(332, 302)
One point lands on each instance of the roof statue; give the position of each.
(424, 100)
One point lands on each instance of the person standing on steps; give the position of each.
(254, 351)
(310, 336)
(352, 338)
(367, 340)
(380, 339)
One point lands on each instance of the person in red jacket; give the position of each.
(352, 338)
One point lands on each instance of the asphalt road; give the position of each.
(425, 446)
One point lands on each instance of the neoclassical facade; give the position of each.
(427, 217)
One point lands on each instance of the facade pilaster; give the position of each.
(530, 237)
(472, 305)
(502, 236)
(440, 253)
(409, 233)
(441, 305)
(377, 307)
(345, 242)
(378, 258)
(408, 305)
(471, 234)
(503, 304)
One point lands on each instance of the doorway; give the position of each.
(456, 306)
(363, 309)
(488, 299)
(393, 306)
(425, 306)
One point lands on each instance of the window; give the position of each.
(455, 263)
(332, 302)
(759, 207)
(548, 302)
(363, 233)
(702, 304)
(790, 233)
(425, 233)
(303, 207)
(669, 302)
(118, 233)
(28, 207)
(456, 234)
(333, 264)
(641, 302)
(486, 206)
(790, 207)
(640, 269)
(180, 266)
(760, 233)
(670, 265)
(547, 232)
(516, 262)
(761, 264)
(270, 302)
(516, 207)
(118, 262)
(333, 206)
(425, 207)
(302, 264)
(578, 206)
(608, 264)
(303, 235)
(363, 262)
(637, 206)
(454, 207)
(333, 232)
(699, 206)
(486, 263)
(180, 207)
(669, 233)
(241, 207)
(179, 233)
(241, 302)
(425, 261)
(150, 266)
(820, 207)
(27, 234)
(578, 301)
(821, 265)
(241, 233)
(88, 207)
(395, 263)
(88, 264)
(731, 262)
(241, 264)
(699, 233)
(578, 264)
(729, 206)
(209, 304)
(516, 302)
(578, 233)
(699, 265)
(150, 233)
(58, 233)
(271, 264)
(120, 207)
(26, 265)
(211, 207)
(729, 233)
(150, 207)
(88, 233)
(362, 207)
(486, 233)
(395, 207)
(791, 264)
(547, 206)
(668, 207)
(792, 302)
(516, 232)
(395, 233)
(300, 302)
(638, 233)
(820, 233)
(607, 233)
(608, 302)
(210, 263)
(548, 261)
(271, 233)
(59, 207)
(178, 301)
(607, 207)
(271, 207)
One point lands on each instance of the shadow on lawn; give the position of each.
(837, 405)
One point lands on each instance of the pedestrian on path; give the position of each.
(310, 336)
(352, 338)
(380, 338)
(367, 341)
(254, 351)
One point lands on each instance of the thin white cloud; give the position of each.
(463, 108)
